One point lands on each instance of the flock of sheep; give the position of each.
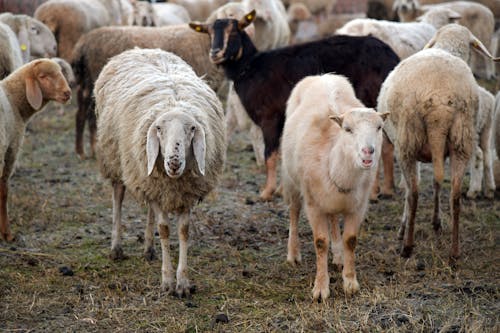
(332, 103)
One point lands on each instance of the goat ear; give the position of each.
(24, 43)
(152, 147)
(384, 115)
(246, 20)
(199, 148)
(338, 119)
(199, 27)
(33, 93)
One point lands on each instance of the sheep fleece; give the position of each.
(134, 89)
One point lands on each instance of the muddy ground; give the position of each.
(57, 275)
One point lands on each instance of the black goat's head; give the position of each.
(225, 35)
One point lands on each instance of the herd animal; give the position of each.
(330, 104)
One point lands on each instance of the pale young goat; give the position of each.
(330, 146)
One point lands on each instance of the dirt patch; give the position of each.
(57, 276)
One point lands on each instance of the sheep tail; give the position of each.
(437, 142)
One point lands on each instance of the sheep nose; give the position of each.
(67, 94)
(174, 164)
(368, 150)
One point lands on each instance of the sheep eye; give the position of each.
(348, 129)
(379, 128)
(158, 128)
(193, 128)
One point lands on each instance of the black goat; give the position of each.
(264, 80)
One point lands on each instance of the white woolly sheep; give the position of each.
(330, 165)
(405, 38)
(497, 125)
(35, 39)
(161, 136)
(70, 19)
(481, 164)
(144, 14)
(170, 13)
(10, 54)
(22, 94)
(323, 7)
(432, 98)
(476, 17)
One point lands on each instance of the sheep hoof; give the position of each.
(351, 286)
(184, 289)
(386, 196)
(401, 233)
(117, 254)
(406, 251)
(436, 225)
(489, 194)
(337, 267)
(8, 237)
(453, 261)
(472, 195)
(81, 156)
(150, 254)
(169, 287)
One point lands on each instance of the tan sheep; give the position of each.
(161, 136)
(331, 145)
(433, 97)
(22, 94)
(70, 19)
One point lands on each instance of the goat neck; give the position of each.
(236, 68)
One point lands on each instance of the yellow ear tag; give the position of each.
(249, 17)
(24, 47)
(198, 28)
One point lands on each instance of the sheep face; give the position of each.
(362, 130)
(225, 35)
(178, 137)
(42, 42)
(46, 82)
(439, 17)
(458, 40)
(406, 6)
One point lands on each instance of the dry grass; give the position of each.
(61, 211)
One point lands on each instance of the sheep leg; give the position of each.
(409, 170)
(4, 219)
(81, 116)
(184, 287)
(167, 270)
(293, 256)
(387, 190)
(319, 224)
(351, 228)
(485, 144)
(92, 129)
(116, 234)
(436, 219)
(375, 186)
(149, 248)
(271, 162)
(476, 173)
(257, 139)
(337, 245)
(458, 166)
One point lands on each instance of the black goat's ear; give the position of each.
(199, 27)
(246, 20)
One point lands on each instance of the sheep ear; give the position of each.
(152, 147)
(430, 43)
(33, 93)
(384, 115)
(476, 43)
(199, 148)
(199, 27)
(339, 119)
(453, 17)
(246, 20)
(24, 43)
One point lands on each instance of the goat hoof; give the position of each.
(117, 254)
(406, 251)
(150, 254)
(320, 294)
(294, 260)
(266, 195)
